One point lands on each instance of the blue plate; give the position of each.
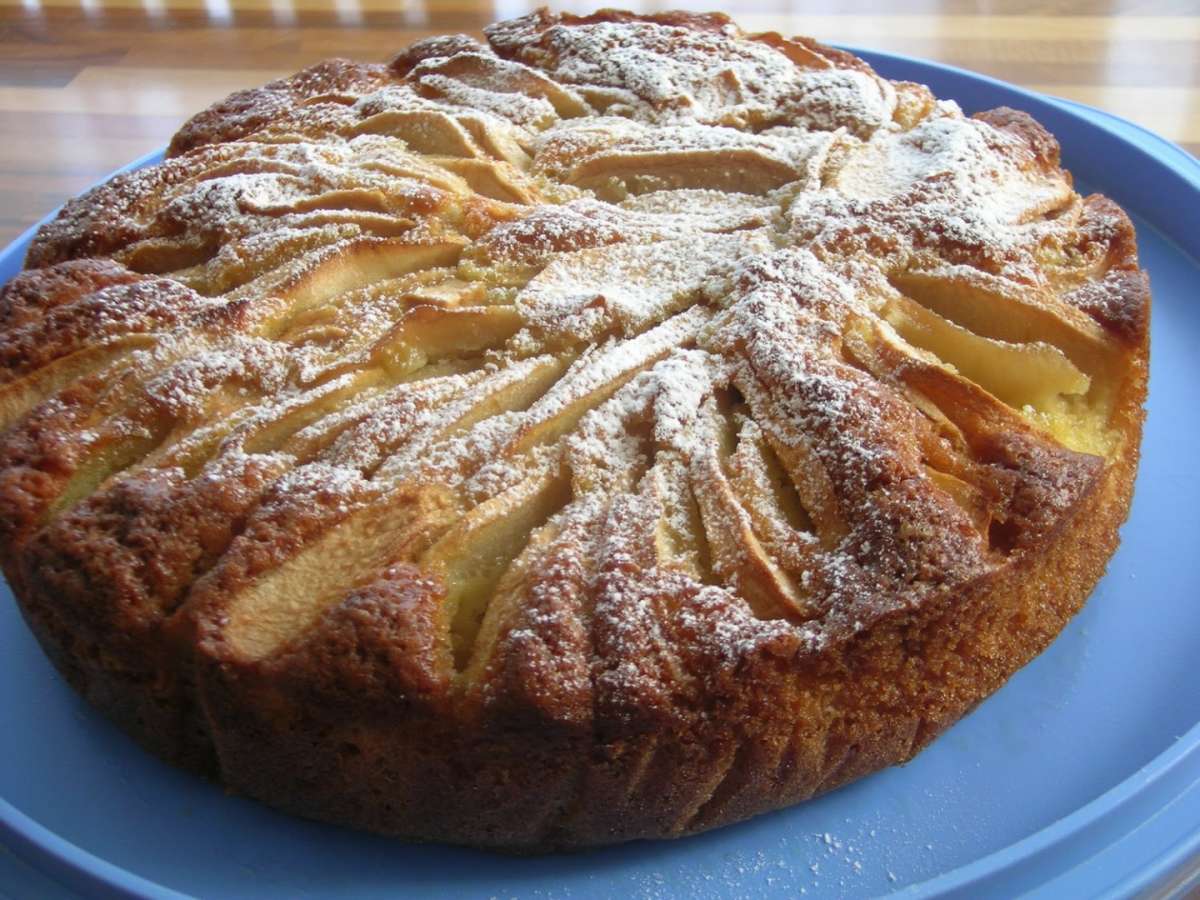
(1081, 776)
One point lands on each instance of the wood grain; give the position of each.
(88, 85)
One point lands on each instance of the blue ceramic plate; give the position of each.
(1081, 776)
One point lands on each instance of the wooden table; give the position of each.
(88, 85)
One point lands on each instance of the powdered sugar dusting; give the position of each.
(628, 288)
(663, 73)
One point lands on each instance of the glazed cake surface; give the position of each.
(612, 429)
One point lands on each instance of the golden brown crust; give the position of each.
(880, 700)
(615, 430)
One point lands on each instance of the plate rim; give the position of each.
(1167, 773)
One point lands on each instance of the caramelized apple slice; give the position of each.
(1032, 374)
(767, 493)
(352, 266)
(429, 332)
(424, 131)
(288, 599)
(472, 556)
(738, 558)
(492, 179)
(615, 176)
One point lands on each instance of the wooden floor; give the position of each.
(87, 85)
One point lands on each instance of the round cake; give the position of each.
(614, 429)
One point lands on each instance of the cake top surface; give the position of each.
(696, 325)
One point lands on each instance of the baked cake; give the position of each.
(612, 430)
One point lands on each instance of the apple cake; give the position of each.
(614, 429)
